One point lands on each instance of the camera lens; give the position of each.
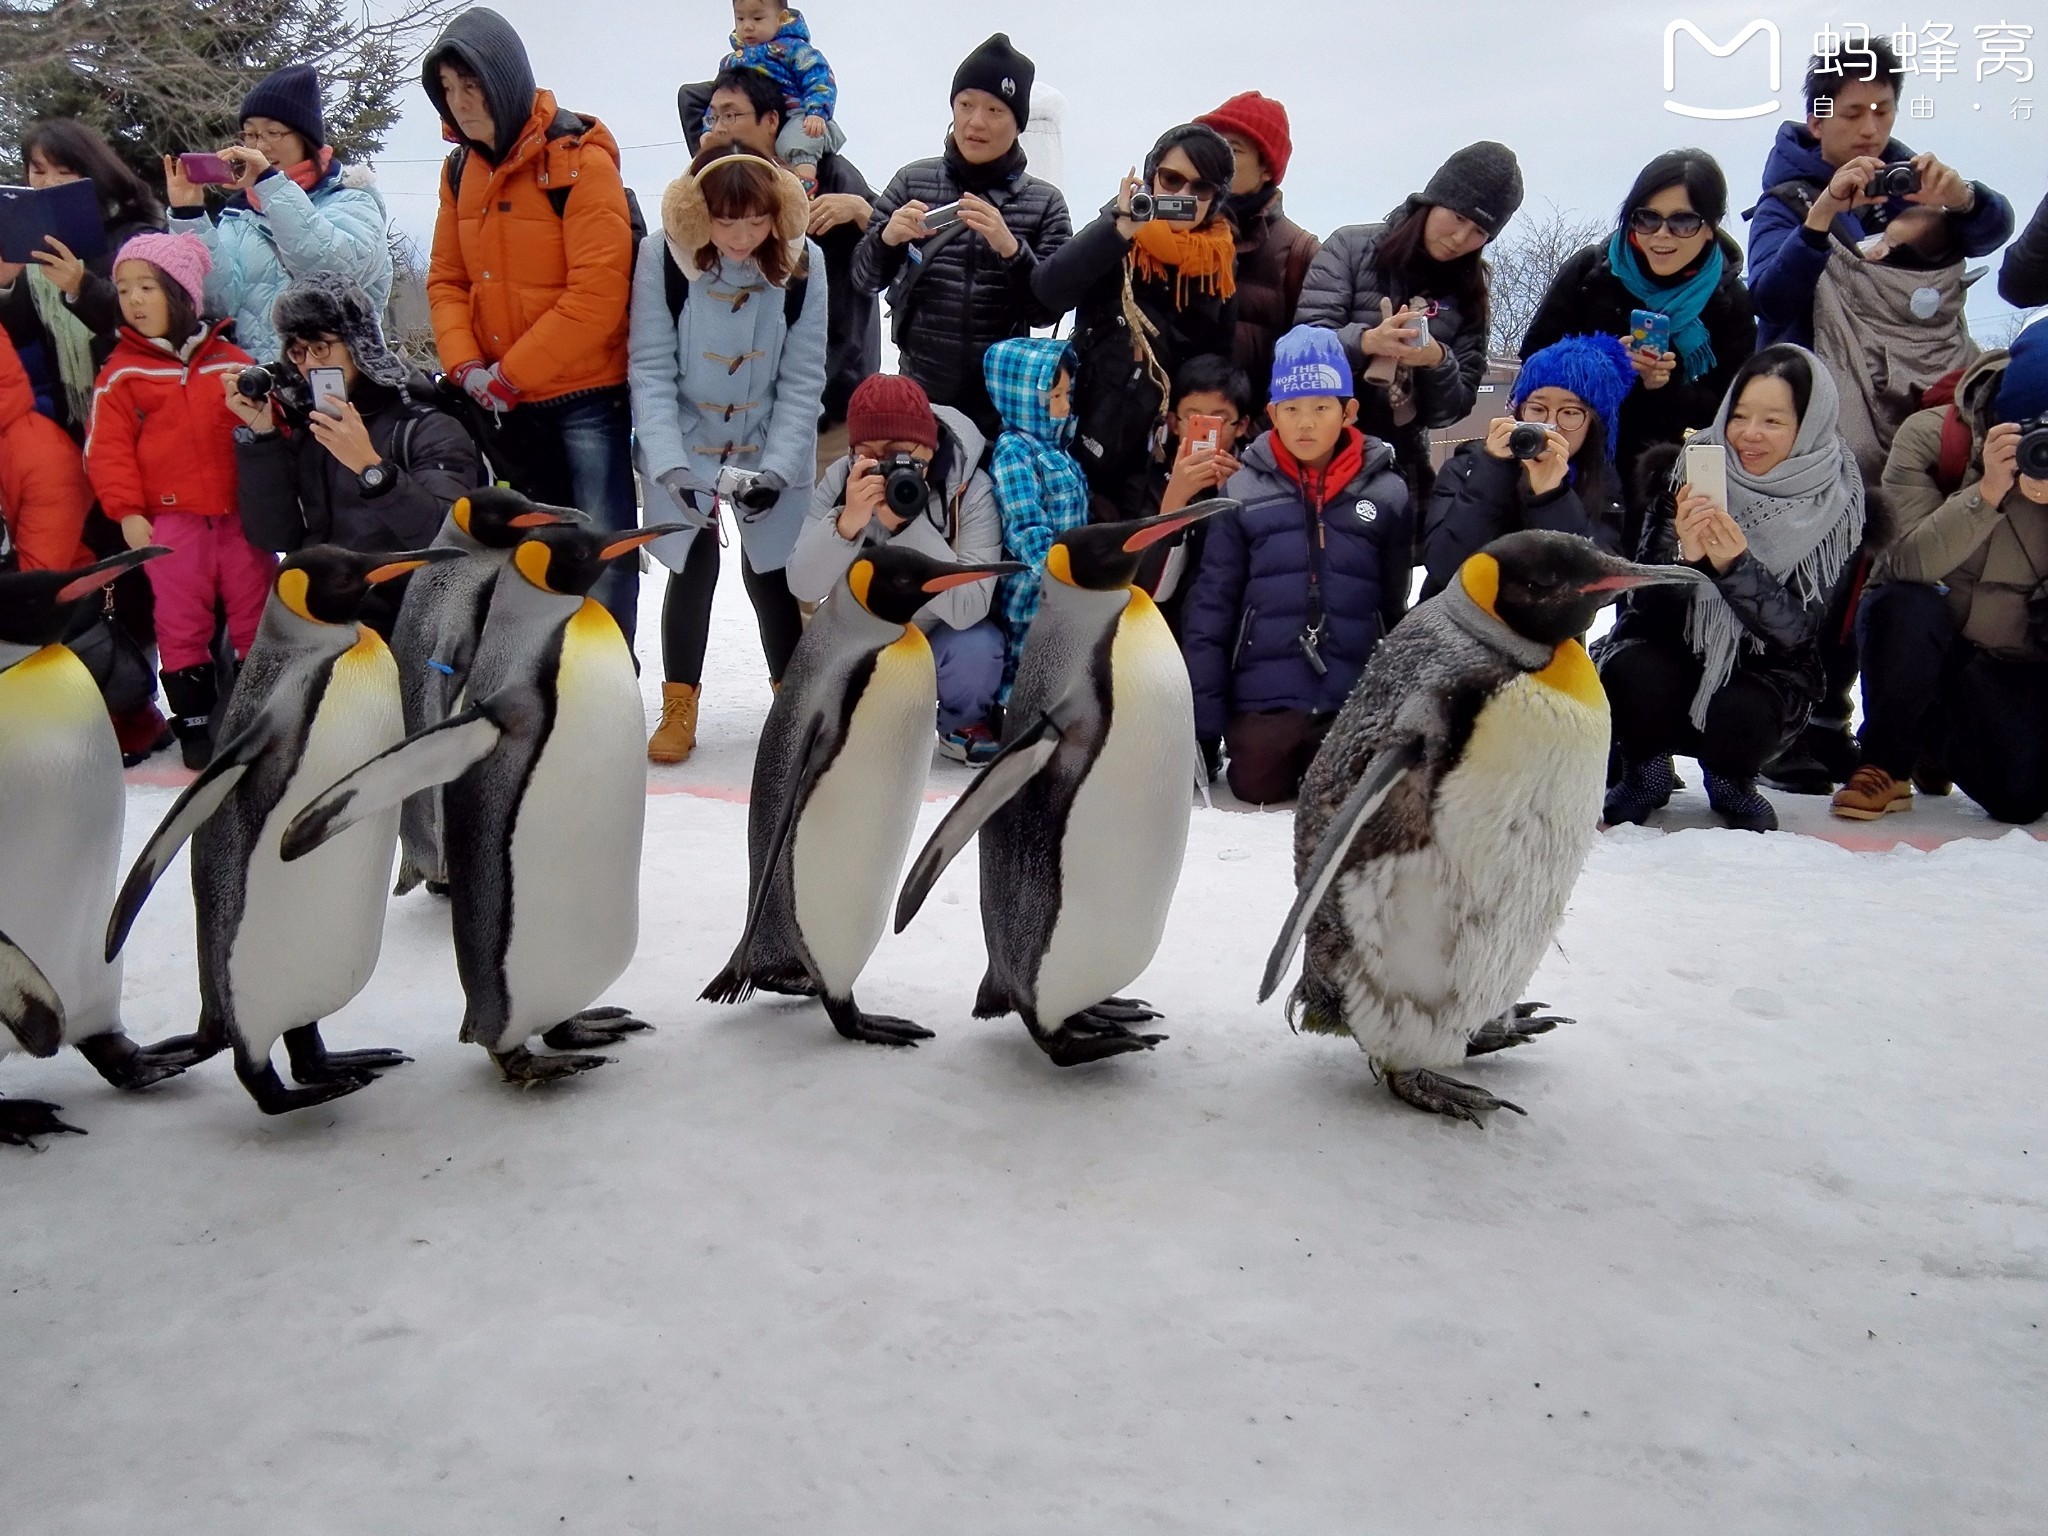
(1895, 181)
(253, 383)
(2033, 450)
(903, 485)
(1528, 441)
(1141, 206)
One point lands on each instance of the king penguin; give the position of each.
(547, 798)
(435, 639)
(62, 808)
(283, 946)
(838, 778)
(1083, 816)
(1445, 820)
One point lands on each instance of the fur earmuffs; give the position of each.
(686, 221)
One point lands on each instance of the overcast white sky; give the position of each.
(1378, 94)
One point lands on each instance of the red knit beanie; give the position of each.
(890, 409)
(1262, 120)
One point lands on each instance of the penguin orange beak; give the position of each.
(97, 575)
(641, 539)
(972, 573)
(410, 561)
(548, 517)
(1630, 576)
(1149, 531)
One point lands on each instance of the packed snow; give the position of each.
(1767, 1254)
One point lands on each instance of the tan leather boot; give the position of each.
(676, 737)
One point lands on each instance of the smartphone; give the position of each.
(1205, 432)
(330, 390)
(1706, 471)
(1649, 331)
(206, 170)
(936, 219)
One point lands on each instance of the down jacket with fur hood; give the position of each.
(728, 380)
(44, 495)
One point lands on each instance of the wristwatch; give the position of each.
(378, 478)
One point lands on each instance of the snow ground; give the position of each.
(1770, 1239)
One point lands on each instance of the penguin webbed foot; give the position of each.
(594, 1027)
(22, 1120)
(313, 1063)
(1091, 1036)
(1442, 1095)
(273, 1098)
(519, 1065)
(875, 1028)
(1518, 1026)
(131, 1067)
(1122, 1010)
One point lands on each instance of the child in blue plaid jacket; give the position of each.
(1040, 490)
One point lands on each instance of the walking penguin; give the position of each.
(1446, 818)
(838, 778)
(1083, 816)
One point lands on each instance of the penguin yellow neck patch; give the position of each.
(1480, 577)
(1059, 565)
(532, 560)
(460, 513)
(1572, 673)
(292, 587)
(859, 578)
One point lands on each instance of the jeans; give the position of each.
(970, 663)
(578, 453)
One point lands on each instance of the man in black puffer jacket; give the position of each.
(957, 290)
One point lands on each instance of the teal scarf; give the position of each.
(1684, 303)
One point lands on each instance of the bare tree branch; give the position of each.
(1524, 265)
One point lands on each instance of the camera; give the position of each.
(1893, 181)
(1146, 207)
(2033, 450)
(1529, 440)
(254, 383)
(903, 484)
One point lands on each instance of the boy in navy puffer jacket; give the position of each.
(1296, 590)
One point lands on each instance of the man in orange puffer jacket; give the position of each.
(530, 277)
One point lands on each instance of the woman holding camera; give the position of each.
(1726, 670)
(726, 357)
(1550, 465)
(1152, 282)
(1669, 258)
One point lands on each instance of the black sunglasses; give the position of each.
(1647, 221)
(1173, 183)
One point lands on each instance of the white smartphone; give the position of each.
(330, 390)
(1706, 471)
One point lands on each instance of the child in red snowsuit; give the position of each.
(161, 454)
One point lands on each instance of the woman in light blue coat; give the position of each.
(293, 211)
(727, 362)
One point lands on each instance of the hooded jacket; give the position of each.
(1243, 625)
(960, 524)
(44, 494)
(277, 232)
(512, 282)
(1274, 255)
(797, 69)
(162, 435)
(1988, 558)
(1786, 258)
(2023, 278)
(1039, 485)
(728, 381)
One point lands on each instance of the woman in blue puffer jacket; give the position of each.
(293, 211)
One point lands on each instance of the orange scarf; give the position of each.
(1202, 260)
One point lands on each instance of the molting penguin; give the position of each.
(283, 946)
(838, 778)
(62, 807)
(1084, 814)
(435, 639)
(1445, 820)
(547, 798)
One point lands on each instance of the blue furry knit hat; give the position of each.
(1595, 368)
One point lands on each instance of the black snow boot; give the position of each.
(192, 693)
(1644, 788)
(1740, 804)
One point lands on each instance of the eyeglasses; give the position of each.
(1566, 418)
(732, 117)
(1647, 221)
(256, 138)
(300, 353)
(1172, 183)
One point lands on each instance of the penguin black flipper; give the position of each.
(202, 797)
(438, 755)
(1388, 767)
(735, 984)
(995, 787)
(29, 1005)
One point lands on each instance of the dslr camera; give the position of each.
(1146, 206)
(286, 393)
(2033, 450)
(903, 484)
(1893, 181)
(1529, 440)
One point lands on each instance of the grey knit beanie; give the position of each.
(1481, 181)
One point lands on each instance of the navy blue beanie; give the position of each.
(1595, 368)
(2023, 392)
(290, 96)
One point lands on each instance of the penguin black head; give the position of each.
(497, 518)
(1104, 556)
(893, 583)
(1547, 586)
(327, 584)
(38, 607)
(567, 560)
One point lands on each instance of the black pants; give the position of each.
(1928, 690)
(686, 613)
(1649, 689)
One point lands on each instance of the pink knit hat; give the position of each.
(182, 258)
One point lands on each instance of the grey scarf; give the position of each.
(1803, 521)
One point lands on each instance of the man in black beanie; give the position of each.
(957, 287)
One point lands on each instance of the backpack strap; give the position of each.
(1301, 254)
(1957, 440)
(676, 288)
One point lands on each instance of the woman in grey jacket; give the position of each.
(726, 347)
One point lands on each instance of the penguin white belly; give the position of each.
(575, 856)
(311, 930)
(61, 811)
(854, 829)
(1446, 937)
(1121, 851)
